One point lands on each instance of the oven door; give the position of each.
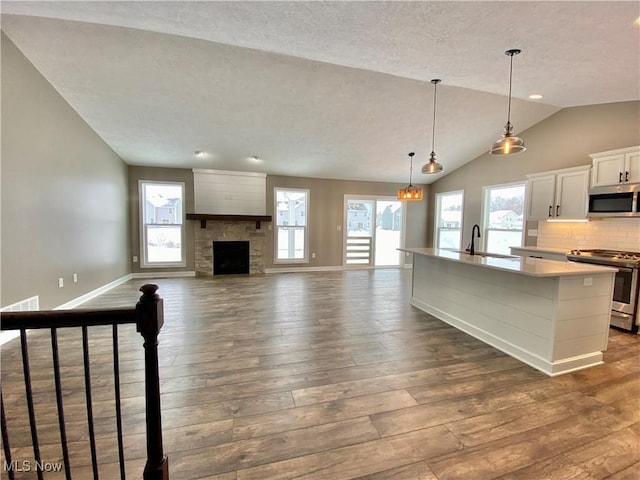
(625, 290)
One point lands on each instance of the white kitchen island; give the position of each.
(551, 315)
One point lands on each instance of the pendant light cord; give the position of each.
(433, 132)
(411, 169)
(510, 81)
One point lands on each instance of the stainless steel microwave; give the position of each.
(615, 201)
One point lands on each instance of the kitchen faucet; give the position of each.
(471, 249)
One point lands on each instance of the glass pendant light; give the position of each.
(432, 166)
(509, 143)
(410, 193)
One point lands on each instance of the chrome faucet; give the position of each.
(471, 249)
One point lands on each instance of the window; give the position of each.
(448, 229)
(162, 233)
(291, 225)
(503, 217)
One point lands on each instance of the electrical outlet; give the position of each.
(270, 227)
(339, 227)
(313, 255)
(60, 282)
(75, 278)
(532, 232)
(135, 259)
(588, 281)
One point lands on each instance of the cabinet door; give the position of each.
(607, 170)
(632, 164)
(572, 190)
(540, 197)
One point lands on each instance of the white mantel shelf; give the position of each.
(204, 218)
(553, 316)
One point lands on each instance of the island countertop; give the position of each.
(534, 267)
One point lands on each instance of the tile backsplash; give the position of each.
(606, 233)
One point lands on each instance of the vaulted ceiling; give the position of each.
(323, 89)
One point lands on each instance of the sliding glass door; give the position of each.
(374, 230)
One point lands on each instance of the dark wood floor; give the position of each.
(332, 376)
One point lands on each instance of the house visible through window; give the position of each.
(448, 228)
(291, 225)
(503, 217)
(162, 233)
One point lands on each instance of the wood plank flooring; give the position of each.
(328, 375)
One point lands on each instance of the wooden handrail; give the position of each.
(66, 318)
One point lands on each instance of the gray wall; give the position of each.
(326, 212)
(563, 140)
(64, 194)
(183, 175)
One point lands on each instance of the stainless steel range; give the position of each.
(625, 312)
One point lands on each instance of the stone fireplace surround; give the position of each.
(229, 231)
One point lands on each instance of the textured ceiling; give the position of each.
(323, 89)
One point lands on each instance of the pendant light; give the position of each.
(509, 143)
(410, 193)
(432, 166)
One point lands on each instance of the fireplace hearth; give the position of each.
(231, 257)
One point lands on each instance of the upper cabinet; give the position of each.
(616, 166)
(559, 194)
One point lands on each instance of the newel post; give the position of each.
(150, 317)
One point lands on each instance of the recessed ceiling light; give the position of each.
(199, 154)
(535, 96)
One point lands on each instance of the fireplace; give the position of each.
(231, 257)
(229, 231)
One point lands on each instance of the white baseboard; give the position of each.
(163, 274)
(93, 293)
(304, 269)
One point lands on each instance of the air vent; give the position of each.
(27, 305)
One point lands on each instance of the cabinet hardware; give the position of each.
(626, 176)
(550, 208)
(620, 178)
(557, 210)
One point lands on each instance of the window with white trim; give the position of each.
(503, 217)
(162, 224)
(291, 239)
(448, 227)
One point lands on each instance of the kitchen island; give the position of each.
(551, 315)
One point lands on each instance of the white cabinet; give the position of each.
(559, 194)
(616, 166)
